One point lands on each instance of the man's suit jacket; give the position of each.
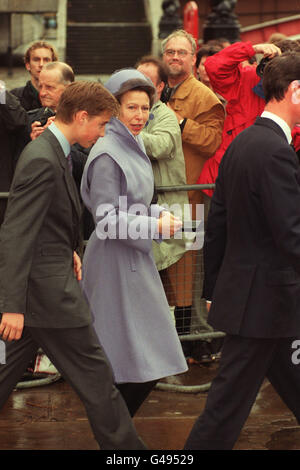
(252, 241)
(37, 240)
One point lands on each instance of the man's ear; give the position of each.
(81, 116)
(27, 66)
(295, 89)
(160, 87)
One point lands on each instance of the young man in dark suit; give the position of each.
(252, 263)
(40, 296)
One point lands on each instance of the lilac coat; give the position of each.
(120, 279)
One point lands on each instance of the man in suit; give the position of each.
(252, 263)
(40, 296)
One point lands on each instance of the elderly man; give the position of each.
(200, 115)
(53, 79)
(36, 56)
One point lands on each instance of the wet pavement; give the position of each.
(51, 417)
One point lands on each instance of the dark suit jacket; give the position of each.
(252, 241)
(37, 240)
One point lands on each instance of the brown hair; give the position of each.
(40, 45)
(205, 51)
(161, 67)
(91, 97)
(288, 45)
(279, 73)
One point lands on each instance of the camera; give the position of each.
(45, 116)
(261, 66)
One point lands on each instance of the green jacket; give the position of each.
(162, 140)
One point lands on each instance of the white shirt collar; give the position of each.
(281, 123)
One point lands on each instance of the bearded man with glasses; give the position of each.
(201, 116)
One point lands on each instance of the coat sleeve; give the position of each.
(113, 217)
(214, 239)
(13, 115)
(204, 131)
(224, 69)
(30, 196)
(161, 141)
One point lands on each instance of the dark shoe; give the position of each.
(201, 352)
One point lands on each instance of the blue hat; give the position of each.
(124, 80)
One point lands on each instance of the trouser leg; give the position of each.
(242, 369)
(135, 394)
(18, 355)
(76, 353)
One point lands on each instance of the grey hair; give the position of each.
(66, 72)
(183, 34)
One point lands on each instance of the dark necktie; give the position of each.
(70, 164)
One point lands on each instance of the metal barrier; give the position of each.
(190, 326)
(194, 334)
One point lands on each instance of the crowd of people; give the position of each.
(82, 160)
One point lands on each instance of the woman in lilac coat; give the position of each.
(120, 279)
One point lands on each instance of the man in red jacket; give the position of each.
(240, 86)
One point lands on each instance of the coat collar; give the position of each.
(264, 121)
(115, 126)
(184, 88)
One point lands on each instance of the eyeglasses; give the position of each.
(180, 52)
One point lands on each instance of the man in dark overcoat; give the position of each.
(252, 263)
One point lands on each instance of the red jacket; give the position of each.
(235, 83)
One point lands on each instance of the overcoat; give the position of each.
(120, 279)
(252, 263)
